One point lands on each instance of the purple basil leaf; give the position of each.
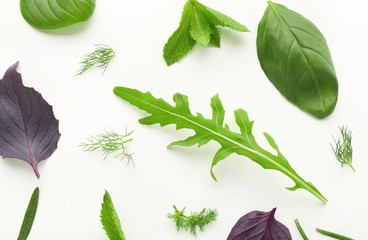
(29, 130)
(258, 225)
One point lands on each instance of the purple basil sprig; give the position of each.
(29, 130)
(258, 225)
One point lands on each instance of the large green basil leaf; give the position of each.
(295, 57)
(52, 14)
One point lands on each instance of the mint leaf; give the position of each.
(200, 29)
(242, 143)
(180, 43)
(110, 219)
(222, 20)
(215, 37)
(198, 24)
(30, 215)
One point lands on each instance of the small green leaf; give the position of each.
(52, 14)
(30, 215)
(200, 29)
(221, 19)
(197, 24)
(180, 43)
(215, 37)
(110, 219)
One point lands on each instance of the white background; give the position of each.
(72, 182)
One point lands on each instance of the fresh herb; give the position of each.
(29, 216)
(110, 219)
(196, 220)
(110, 142)
(52, 14)
(242, 143)
(198, 24)
(294, 55)
(29, 130)
(259, 225)
(100, 58)
(343, 149)
(334, 235)
(301, 231)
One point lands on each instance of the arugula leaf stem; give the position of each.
(334, 235)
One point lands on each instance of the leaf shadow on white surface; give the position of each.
(69, 30)
(231, 37)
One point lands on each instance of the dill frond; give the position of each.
(110, 142)
(342, 148)
(196, 220)
(100, 58)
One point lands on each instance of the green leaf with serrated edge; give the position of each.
(221, 19)
(180, 43)
(110, 219)
(205, 130)
(197, 24)
(200, 29)
(29, 215)
(215, 37)
(52, 14)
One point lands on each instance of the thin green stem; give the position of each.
(301, 231)
(334, 235)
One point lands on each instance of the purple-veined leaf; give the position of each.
(258, 225)
(29, 130)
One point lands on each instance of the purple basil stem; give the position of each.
(258, 225)
(29, 130)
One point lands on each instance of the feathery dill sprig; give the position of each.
(343, 149)
(108, 143)
(100, 58)
(194, 221)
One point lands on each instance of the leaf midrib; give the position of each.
(286, 171)
(303, 53)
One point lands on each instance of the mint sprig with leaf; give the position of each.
(110, 219)
(243, 143)
(198, 24)
(193, 222)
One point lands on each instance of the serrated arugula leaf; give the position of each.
(198, 24)
(29, 216)
(110, 219)
(242, 143)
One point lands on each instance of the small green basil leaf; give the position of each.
(295, 57)
(52, 14)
